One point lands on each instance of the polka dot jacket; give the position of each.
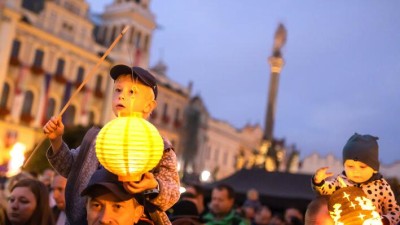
(377, 189)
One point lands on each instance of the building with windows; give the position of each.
(50, 47)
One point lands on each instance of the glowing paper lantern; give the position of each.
(129, 147)
(350, 206)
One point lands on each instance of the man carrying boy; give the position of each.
(135, 90)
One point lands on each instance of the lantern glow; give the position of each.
(350, 206)
(129, 147)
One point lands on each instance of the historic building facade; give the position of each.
(49, 47)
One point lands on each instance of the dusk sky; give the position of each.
(341, 72)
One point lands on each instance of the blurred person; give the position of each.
(277, 219)
(198, 194)
(317, 212)
(46, 177)
(185, 212)
(293, 216)
(107, 201)
(58, 192)
(28, 204)
(263, 216)
(10, 182)
(222, 210)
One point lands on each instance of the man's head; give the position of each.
(135, 90)
(58, 190)
(360, 157)
(108, 202)
(317, 212)
(222, 200)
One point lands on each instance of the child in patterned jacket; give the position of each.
(361, 166)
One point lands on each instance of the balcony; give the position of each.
(60, 78)
(37, 70)
(26, 118)
(4, 112)
(14, 61)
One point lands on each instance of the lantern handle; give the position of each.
(342, 184)
(90, 74)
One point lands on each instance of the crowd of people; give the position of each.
(40, 200)
(78, 190)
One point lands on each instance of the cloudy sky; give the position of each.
(341, 73)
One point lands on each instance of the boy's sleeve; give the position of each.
(326, 187)
(63, 160)
(390, 208)
(168, 180)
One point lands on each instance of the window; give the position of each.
(60, 67)
(138, 37)
(28, 101)
(113, 31)
(177, 114)
(99, 81)
(165, 109)
(80, 75)
(91, 118)
(146, 42)
(132, 35)
(38, 60)
(4, 96)
(50, 109)
(15, 49)
(69, 116)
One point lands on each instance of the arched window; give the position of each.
(80, 75)
(99, 82)
(4, 96)
(50, 109)
(69, 116)
(28, 102)
(15, 49)
(60, 67)
(38, 60)
(91, 118)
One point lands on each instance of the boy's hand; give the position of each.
(54, 128)
(147, 182)
(321, 174)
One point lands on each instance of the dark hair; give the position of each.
(229, 189)
(198, 188)
(42, 214)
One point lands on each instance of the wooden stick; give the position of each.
(91, 73)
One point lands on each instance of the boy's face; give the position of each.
(357, 171)
(131, 96)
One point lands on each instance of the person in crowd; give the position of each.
(46, 177)
(28, 204)
(198, 194)
(317, 212)
(134, 90)
(293, 216)
(108, 202)
(263, 216)
(9, 184)
(58, 192)
(361, 166)
(277, 219)
(185, 212)
(222, 210)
